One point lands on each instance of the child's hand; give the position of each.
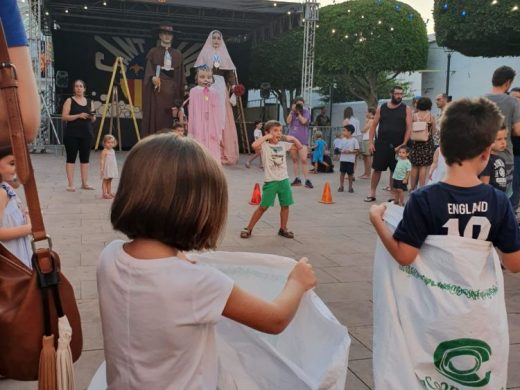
(405, 181)
(376, 212)
(303, 274)
(268, 136)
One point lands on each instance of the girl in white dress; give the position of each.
(108, 165)
(15, 225)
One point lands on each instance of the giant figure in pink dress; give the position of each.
(205, 121)
(214, 54)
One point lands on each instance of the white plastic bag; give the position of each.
(441, 322)
(312, 353)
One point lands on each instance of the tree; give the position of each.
(478, 27)
(279, 62)
(366, 44)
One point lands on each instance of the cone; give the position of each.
(326, 197)
(257, 195)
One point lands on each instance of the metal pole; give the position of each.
(448, 72)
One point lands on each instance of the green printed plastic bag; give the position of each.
(441, 322)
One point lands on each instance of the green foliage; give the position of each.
(478, 27)
(365, 44)
(371, 36)
(362, 44)
(279, 62)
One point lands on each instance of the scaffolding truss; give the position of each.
(311, 17)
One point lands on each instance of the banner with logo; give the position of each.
(440, 323)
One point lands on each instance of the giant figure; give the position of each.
(214, 54)
(163, 83)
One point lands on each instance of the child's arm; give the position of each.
(295, 141)
(510, 260)
(271, 317)
(102, 161)
(406, 177)
(12, 232)
(403, 253)
(258, 143)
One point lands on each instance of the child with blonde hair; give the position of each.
(15, 225)
(108, 166)
(318, 151)
(159, 309)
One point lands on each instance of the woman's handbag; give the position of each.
(420, 130)
(36, 306)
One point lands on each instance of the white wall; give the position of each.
(469, 76)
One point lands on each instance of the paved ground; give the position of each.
(337, 239)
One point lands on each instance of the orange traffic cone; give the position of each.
(327, 195)
(257, 195)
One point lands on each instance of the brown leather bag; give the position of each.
(30, 300)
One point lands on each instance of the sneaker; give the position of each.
(308, 184)
(351, 190)
(341, 189)
(296, 182)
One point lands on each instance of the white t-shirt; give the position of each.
(349, 144)
(158, 318)
(257, 134)
(274, 157)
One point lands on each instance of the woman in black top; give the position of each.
(79, 114)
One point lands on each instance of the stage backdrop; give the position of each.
(90, 57)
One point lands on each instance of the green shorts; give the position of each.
(281, 188)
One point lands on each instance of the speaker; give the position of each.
(62, 79)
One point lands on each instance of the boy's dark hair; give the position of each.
(502, 75)
(297, 99)
(515, 89)
(177, 126)
(396, 87)
(257, 122)
(372, 110)
(183, 206)
(424, 104)
(270, 124)
(5, 151)
(404, 147)
(350, 128)
(468, 126)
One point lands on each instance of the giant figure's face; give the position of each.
(166, 38)
(216, 40)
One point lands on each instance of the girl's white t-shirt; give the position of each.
(257, 134)
(158, 318)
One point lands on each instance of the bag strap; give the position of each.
(9, 92)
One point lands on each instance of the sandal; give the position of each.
(87, 187)
(285, 233)
(245, 233)
(248, 164)
(106, 196)
(387, 188)
(369, 199)
(71, 189)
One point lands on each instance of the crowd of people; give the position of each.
(445, 162)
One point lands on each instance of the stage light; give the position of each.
(494, 2)
(346, 36)
(66, 11)
(391, 29)
(275, 5)
(515, 8)
(288, 12)
(334, 31)
(105, 3)
(379, 22)
(85, 7)
(46, 13)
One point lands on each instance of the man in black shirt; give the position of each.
(322, 119)
(395, 122)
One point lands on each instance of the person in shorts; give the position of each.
(401, 175)
(274, 150)
(395, 123)
(349, 147)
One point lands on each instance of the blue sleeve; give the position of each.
(12, 22)
(413, 228)
(507, 238)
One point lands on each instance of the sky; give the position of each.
(424, 7)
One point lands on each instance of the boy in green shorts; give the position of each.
(274, 148)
